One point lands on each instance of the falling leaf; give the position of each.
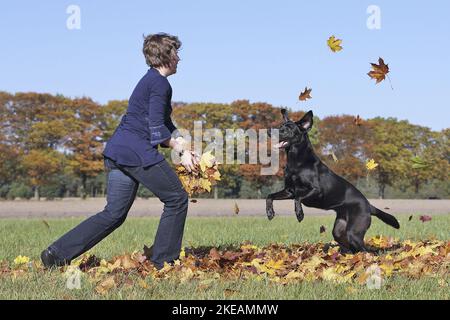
(46, 224)
(236, 208)
(334, 44)
(425, 218)
(322, 229)
(379, 71)
(371, 165)
(305, 95)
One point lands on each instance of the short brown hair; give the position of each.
(159, 49)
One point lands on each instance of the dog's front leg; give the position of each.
(298, 209)
(280, 195)
(300, 196)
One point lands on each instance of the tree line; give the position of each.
(51, 145)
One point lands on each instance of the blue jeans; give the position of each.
(122, 185)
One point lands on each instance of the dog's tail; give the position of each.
(385, 217)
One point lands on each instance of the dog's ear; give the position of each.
(307, 121)
(285, 115)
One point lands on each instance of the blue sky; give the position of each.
(258, 50)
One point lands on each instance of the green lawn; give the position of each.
(28, 237)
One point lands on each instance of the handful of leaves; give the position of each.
(207, 175)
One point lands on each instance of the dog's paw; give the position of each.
(270, 213)
(299, 216)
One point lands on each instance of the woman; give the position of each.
(131, 157)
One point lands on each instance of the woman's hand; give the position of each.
(188, 161)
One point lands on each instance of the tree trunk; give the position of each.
(416, 186)
(216, 193)
(37, 196)
(381, 189)
(83, 186)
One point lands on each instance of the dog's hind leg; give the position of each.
(280, 195)
(340, 232)
(357, 226)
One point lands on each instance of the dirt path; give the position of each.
(203, 207)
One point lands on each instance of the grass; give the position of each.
(29, 236)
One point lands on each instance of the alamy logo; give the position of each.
(73, 275)
(73, 22)
(374, 279)
(374, 20)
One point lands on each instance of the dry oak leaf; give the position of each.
(305, 95)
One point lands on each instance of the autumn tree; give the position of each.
(342, 145)
(109, 117)
(84, 140)
(38, 127)
(392, 144)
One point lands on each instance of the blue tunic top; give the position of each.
(145, 124)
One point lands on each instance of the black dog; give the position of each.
(308, 180)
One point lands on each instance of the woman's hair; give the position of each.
(159, 49)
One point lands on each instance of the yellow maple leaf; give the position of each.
(277, 265)
(312, 263)
(334, 44)
(21, 260)
(294, 275)
(205, 184)
(387, 268)
(207, 160)
(371, 164)
(328, 274)
(216, 176)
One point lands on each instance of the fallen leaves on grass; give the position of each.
(425, 218)
(276, 262)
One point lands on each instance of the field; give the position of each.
(27, 237)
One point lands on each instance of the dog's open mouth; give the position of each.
(281, 144)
